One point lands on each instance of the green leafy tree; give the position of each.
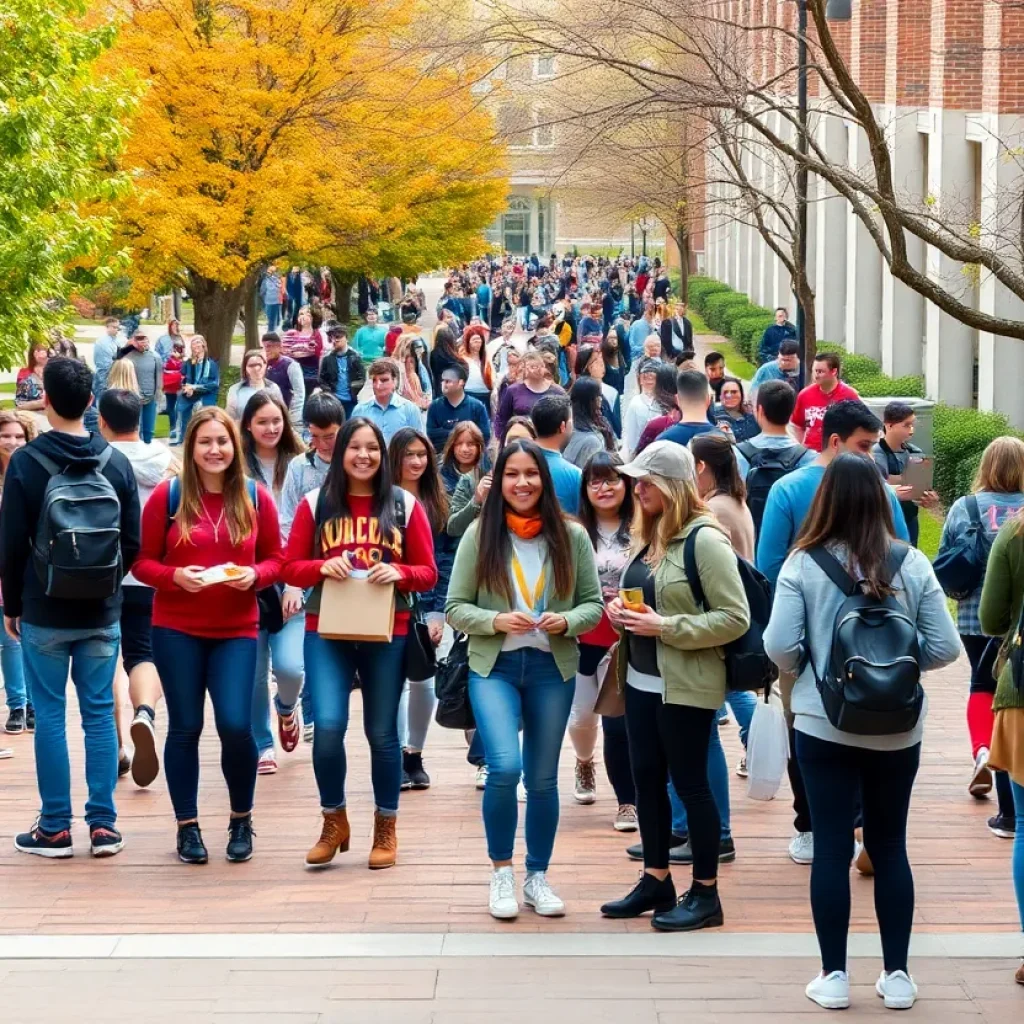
(61, 129)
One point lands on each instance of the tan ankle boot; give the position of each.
(385, 842)
(334, 838)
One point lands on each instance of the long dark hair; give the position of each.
(287, 448)
(715, 451)
(382, 501)
(851, 507)
(604, 466)
(444, 341)
(587, 415)
(583, 356)
(433, 497)
(494, 545)
(613, 354)
(665, 388)
(448, 460)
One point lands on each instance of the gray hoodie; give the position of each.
(150, 463)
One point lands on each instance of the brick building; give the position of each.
(946, 80)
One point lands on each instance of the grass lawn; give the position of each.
(699, 327)
(734, 362)
(931, 531)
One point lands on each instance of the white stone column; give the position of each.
(535, 201)
(830, 232)
(949, 353)
(863, 271)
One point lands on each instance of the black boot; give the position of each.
(699, 907)
(412, 766)
(636, 852)
(647, 894)
(240, 835)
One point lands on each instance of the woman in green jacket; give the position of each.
(671, 662)
(523, 587)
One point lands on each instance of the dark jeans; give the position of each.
(801, 812)
(189, 668)
(615, 743)
(331, 666)
(833, 774)
(147, 421)
(664, 740)
(172, 404)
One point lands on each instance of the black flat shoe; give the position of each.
(699, 907)
(648, 894)
(191, 849)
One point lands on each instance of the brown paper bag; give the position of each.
(611, 702)
(355, 609)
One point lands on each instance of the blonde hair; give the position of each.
(682, 503)
(1002, 467)
(122, 376)
(238, 508)
(206, 348)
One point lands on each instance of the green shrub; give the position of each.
(700, 288)
(716, 305)
(731, 314)
(959, 437)
(229, 375)
(881, 386)
(746, 332)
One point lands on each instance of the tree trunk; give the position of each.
(250, 306)
(343, 297)
(216, 312)
(805, 296)
(683, 245)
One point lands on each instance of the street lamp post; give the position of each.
(645, 226)
(801, 179)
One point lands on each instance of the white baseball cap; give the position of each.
(662, 458)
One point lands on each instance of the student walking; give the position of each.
(204, 634)
(58, 631)
(606, 512)
(849, 534)
(674, 679)
(269, 444)
(200, 382)
(524, 587)
(358, 520)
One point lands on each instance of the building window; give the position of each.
(515, 125)
(543, 133)
(544, 67)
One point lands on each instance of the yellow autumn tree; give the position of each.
(305, 130)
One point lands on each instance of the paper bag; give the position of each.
(355, 609)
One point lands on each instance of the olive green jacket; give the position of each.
(1001, 598)
(473, 611)
(690, 656)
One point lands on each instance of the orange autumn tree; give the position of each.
(298, 130)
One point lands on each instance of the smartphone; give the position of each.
(633, 598)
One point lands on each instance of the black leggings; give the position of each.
(615, 745)
(833, 774)
(664, 740)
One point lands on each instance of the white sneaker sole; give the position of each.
(504, 915)
(894, 1002)
(626, 826)
(61, 854)
(800, 860)
(830, 1002)
(584, 797)
(145, 760)
(106, 851)
(981, 782)
(546, 912)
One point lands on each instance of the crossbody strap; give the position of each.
(833, 569)
(692, 572)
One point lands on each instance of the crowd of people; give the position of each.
(557, 490)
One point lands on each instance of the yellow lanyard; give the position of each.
(538, 591)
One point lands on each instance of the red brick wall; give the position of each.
(868, 47)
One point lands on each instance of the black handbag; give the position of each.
(420, 653)
(451, 687)
(268, 601)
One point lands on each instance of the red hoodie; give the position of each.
(359, 534)
(219, 612)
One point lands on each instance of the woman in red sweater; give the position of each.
(358, 521)
(204, 634)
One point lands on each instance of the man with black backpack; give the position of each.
(773, 453)
(69, 531)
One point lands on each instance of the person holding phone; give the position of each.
(204, 635)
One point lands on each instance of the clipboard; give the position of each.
(918, 473)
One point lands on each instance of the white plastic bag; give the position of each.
(767, 749)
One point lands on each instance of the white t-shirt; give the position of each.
(531, 556)
(476, 378)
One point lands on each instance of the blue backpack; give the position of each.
(960, 568)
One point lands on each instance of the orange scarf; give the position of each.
(524, 527)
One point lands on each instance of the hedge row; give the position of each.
(730, 313)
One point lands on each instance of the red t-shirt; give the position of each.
(654, 428)
(811, 404)
(412, 553)
(219, 612)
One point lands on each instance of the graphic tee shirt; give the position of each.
(811, 405)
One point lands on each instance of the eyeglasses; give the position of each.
(604, 481)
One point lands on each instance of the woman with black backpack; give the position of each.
(997, 495)
(849, 537)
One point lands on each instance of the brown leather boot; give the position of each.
(385, 842)
(334, 838)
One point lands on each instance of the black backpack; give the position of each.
(451, 687)
(872, 682)
(766, 466)
(960, 569)
(77, 550)
(747, 666)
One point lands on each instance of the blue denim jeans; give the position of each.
(273, 315)
(190, 667)
(13, 668)
(331, 666)
(718, 777)
(283, 651)
(1018, 849)
(524, 685)
(742, 703)
(92, 656)
(147, 422)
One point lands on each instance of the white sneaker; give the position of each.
(981, 780)
(897, 989)
(307, 733)
(5, 752)
(502, 903)
(539, 895)
(267, 764)
(831, 992)
(585, 790)
(801, 848)
(481, 777)
(625, 820)
(741, 768)
(521, 792)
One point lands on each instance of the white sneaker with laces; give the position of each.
(481, 777)
(897, 989)
(521, 792)
(981, 780)
(741, 768)
(625, 820)
(539, 895)
(801, 848)
(502, 903)
(830, 991)
(267, 764)
(585, 788)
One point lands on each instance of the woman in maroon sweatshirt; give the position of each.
(358, 520)
(204, 634)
